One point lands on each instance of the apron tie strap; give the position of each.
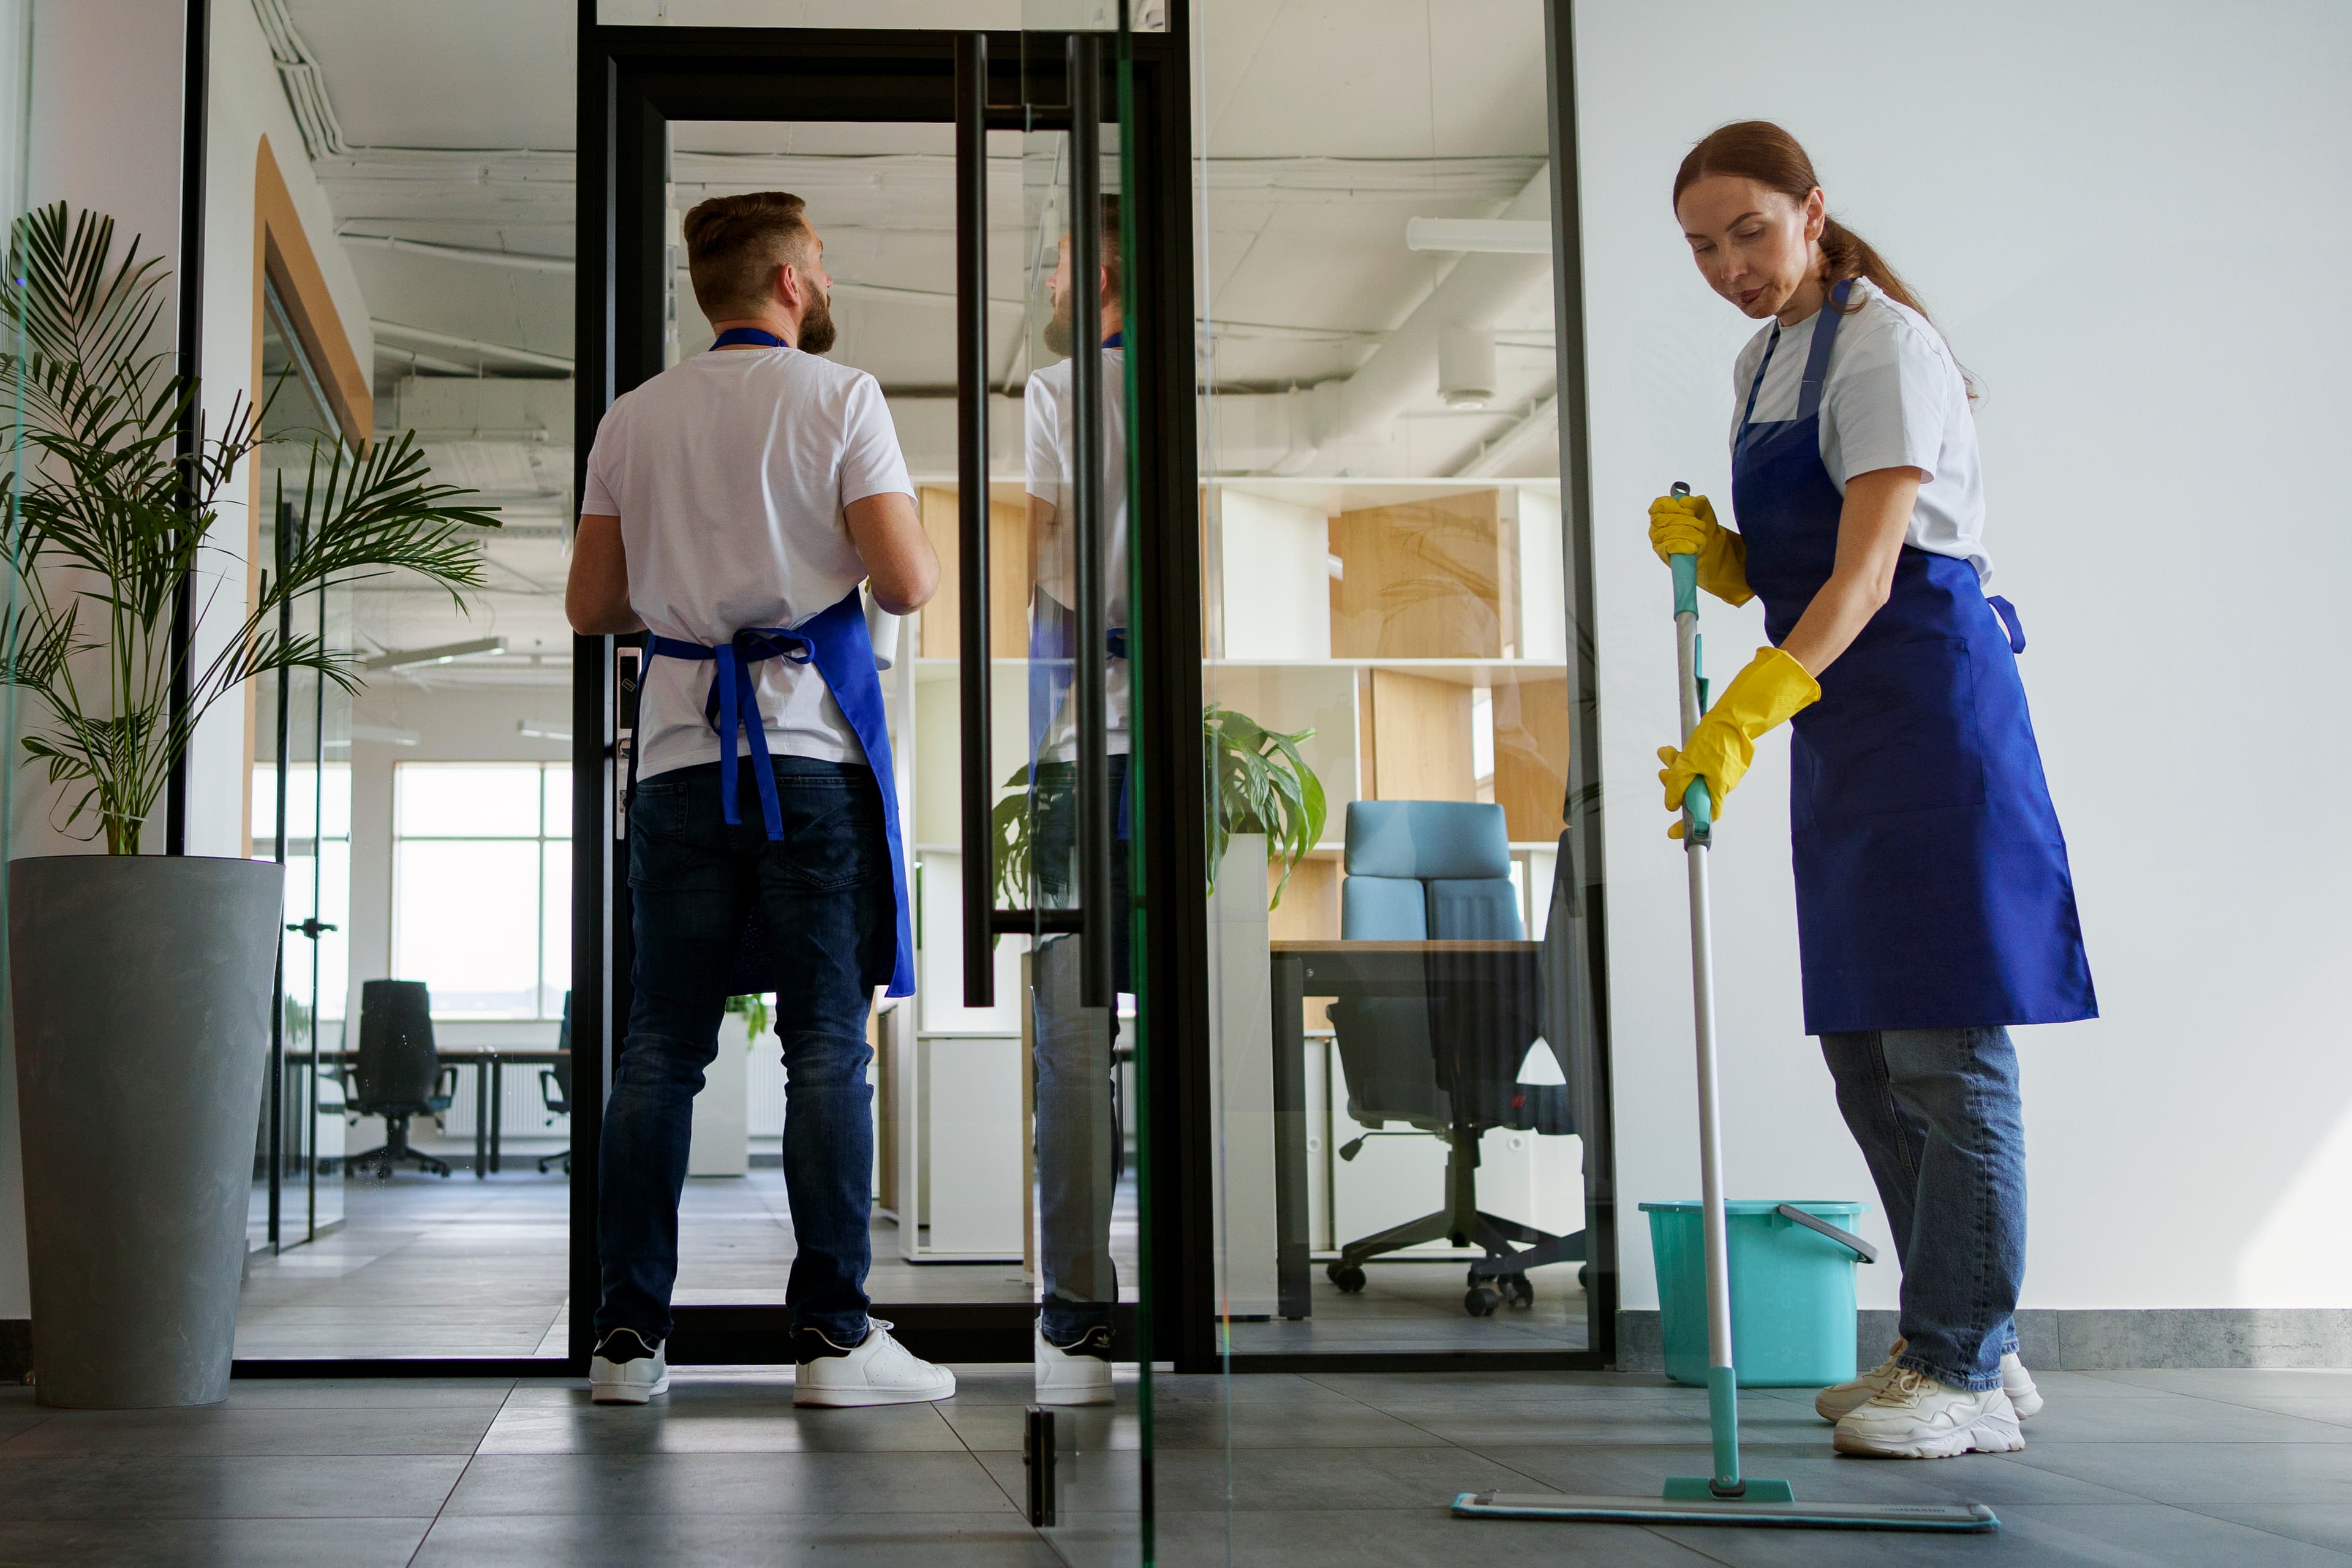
(2007, 613)
(732, 707)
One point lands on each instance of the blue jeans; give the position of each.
(1935, 1113)
(825, 889)
(1078, 1133)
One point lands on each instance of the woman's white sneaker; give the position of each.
(1916, 1417)
(627, 1369)
(877, 1369)
(2018, 1384)
(1838, 1400)
(1073, 1374)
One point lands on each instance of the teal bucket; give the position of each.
(1792, 1313)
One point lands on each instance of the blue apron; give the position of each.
(1932, 885)
(837, 643)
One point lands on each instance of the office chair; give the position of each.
(555, 1088)
(1446, 1063)
(398, 1074)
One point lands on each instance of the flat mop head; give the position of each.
(1957, 1518)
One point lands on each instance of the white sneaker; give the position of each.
(1838, 1400)
(1916, 1417)
(642, 1373)
(2018, 1384)
(1073, 1374)
(877, 1369)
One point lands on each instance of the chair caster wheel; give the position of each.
(1347, 1277)
(1519, 1290)
(1480, 1300)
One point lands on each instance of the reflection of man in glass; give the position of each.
(1078, 1150)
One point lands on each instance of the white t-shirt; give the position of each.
(1051, 434)
(729, 473)
(1893, 397)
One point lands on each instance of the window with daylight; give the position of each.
(481, 891)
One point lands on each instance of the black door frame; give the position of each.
(633, 81)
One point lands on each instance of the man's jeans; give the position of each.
(1077, 1138)
(827, 892)
(1935, 1113)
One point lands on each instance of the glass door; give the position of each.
(941, 171)
(302, 818)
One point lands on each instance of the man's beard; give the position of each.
(1061, 333)
(817, 330)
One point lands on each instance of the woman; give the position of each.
(1934, 903)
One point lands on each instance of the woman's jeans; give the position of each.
(1935, 1113)
(826, 890)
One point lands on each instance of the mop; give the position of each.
(1727, 1497)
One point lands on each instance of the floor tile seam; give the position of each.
(2241, 1524)
(2264, 1410)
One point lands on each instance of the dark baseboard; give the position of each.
(16, 1349)
(2101, 1339)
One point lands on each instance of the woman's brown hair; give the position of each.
(1760, 151)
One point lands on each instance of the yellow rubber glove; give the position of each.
(1766, 695)
(1685, 525)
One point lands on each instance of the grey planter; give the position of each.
(143, 988)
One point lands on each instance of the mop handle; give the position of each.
(1697, 808)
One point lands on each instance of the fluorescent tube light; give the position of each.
(447, 653)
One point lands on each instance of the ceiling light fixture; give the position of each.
(1510, 236)
(539, 730)
(447, 653)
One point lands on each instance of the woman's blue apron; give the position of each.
(837, 643)
(1932, 884)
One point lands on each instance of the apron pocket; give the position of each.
(1896, 731)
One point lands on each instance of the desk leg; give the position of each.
(481, 1119)
(1293, 1270)
(497, 1106)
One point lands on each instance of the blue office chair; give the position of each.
(1446, 1063)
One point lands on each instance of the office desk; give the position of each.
(489, 1087)
(1346, 969)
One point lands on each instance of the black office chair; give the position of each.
(555, 1088)
(1447, 1063)
(398, 1074)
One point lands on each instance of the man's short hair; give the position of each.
(734, 245)
(1114, 265)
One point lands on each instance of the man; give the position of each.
(742, 492)
(1078, 1155)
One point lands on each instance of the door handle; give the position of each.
(313, 927)
(973, 675)
(1089, 688)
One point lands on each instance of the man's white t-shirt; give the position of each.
(729, 473)
(1893, 397)
(1050, 415)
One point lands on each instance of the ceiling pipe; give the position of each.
(472, 345)
(563, 264)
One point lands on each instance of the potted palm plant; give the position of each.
(141, 983)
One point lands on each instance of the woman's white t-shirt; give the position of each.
(1893, 397)
(730, 472)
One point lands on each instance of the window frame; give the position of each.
(546, 843)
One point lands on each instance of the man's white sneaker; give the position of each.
(627, 1369)
(1073, 1374)
(1916, 1417)
(2018, 1384)
(1838, 1400)
(877, 1369)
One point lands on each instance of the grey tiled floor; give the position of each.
(2209, 1467)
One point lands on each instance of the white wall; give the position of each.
(2129, 220)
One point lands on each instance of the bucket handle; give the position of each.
(1846, 1238)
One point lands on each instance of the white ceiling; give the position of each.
(1326, 124)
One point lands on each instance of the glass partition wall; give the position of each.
(1409, 1137)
